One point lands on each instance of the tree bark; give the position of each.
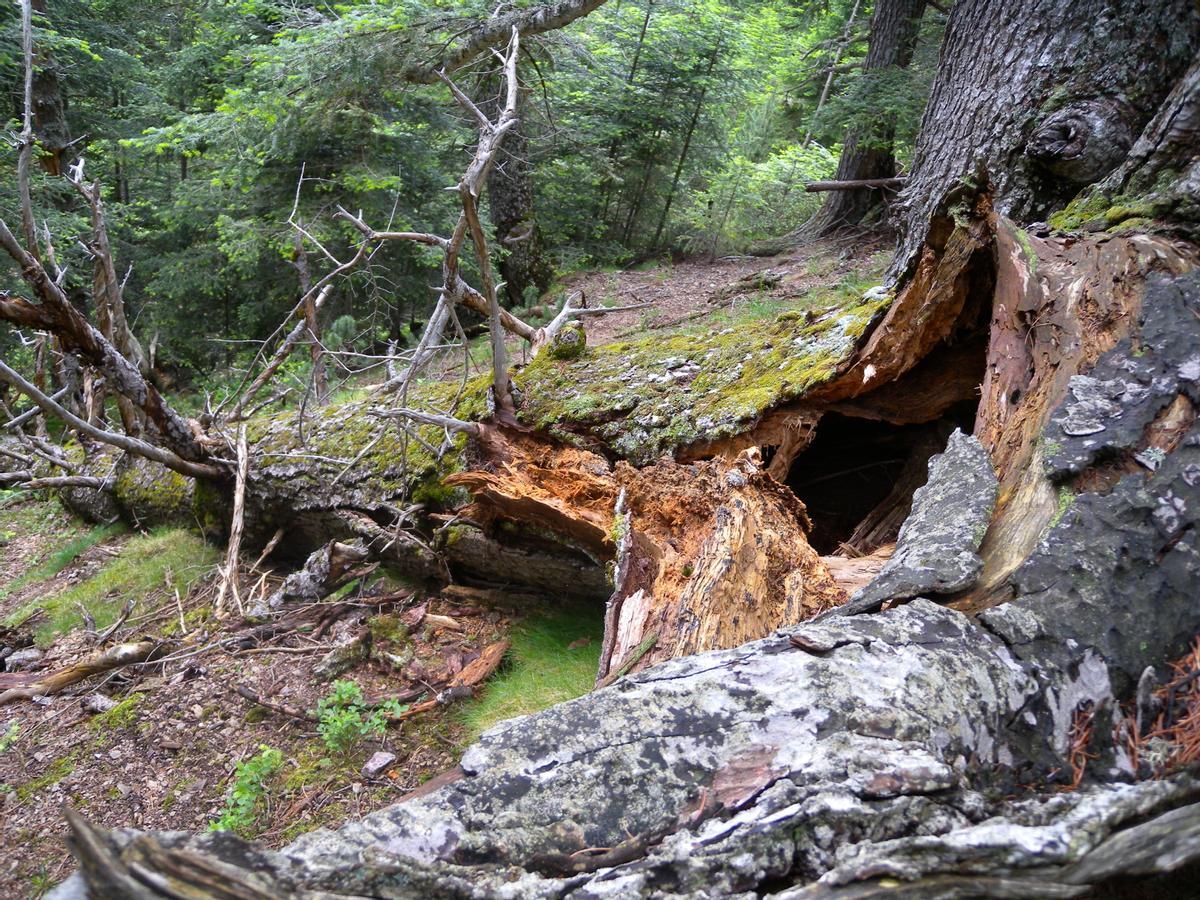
(1011, 71)
(895, 25)
(50, 107)
(521, 248)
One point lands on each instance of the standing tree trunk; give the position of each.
(1042, 97)
(49, 107)
(523, 261)
(895, 25)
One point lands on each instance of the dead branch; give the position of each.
(492, 31)
(457, 425)
(124, 442)
(58, 316)
(24, 417)
(30, 482)
(282, 708)
(26, 140)
(891, 184)
(323, 289)
(93, 664)
(229, 575)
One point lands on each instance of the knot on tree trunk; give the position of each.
(1083, 142)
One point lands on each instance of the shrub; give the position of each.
(343, 719)
(247, 797)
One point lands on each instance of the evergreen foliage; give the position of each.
(655, 127)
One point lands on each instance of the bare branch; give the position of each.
(30, 482)
(496, 30)
(124, 442)
(57, 315)
(36, 411)
(458, 425)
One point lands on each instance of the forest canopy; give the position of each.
(663, 127)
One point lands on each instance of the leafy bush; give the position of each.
(10, 737)
(247, 797)
(745, 201)
(343, 718)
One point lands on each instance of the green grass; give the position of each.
(541, 670)
(172, 556)
(64, 556)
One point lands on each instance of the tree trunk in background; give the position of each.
(523, 259)
(895, 25)
(49, 107)
(1041, 96)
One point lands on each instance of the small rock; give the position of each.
(23, 659)
(98, 703)
(377, 764)
(123, 789)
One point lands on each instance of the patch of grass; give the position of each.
(173, 557)
(65, 555)
(122, 715)
(542, 670)
(59, 769)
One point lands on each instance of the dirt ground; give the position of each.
(164, 758)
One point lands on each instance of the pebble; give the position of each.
(378, 762)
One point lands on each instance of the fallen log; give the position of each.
(889, 184)
(93, 664)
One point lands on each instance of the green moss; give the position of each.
(387, 628)
(166, 558)
(155, 495)
(349, 445)
(1083, 210)
(1027, 249)
(544, 668)
(1096, 212)
(569, 343)
(311, 766)
(123, 715)
(58, 770)
(670, 389)
(1066, 499)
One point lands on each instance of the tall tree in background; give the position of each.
(895, 25)
(524, 262)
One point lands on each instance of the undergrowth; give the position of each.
(64, 556)
(247, 801)
(171, 558)
(554, 657)
(343, 719)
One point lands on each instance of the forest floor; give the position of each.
(176, 747)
